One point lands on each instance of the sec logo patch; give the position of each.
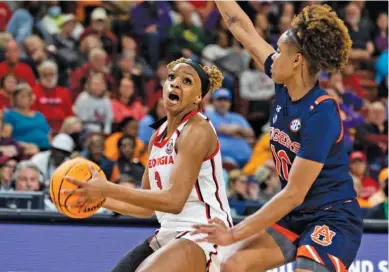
(295, 125)
(169, 147)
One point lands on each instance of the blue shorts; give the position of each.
(330, 236)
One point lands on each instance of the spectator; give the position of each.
(381, 195)
(238, 186)
(99, 27)
(95, 152)
(38, 53)
(186, 39)
(126, 162)
(262, 26)
(29, 128)
(156, 113)
(26, 177)
(362, 47)
(381, 35)
(52, 100)
(13, 65)
(284, 24)
(374, 136)
(258, 88)
(128, 127)
(95, 65)
(51, 22)
(151, 22)
(381, 67)
(154, 86)
(234, 132)
(129, 69)
(8, 84)
(126, 103)
(93, 106)
(65, 45)
(72, 126)
(269, 183)
(358, 169)
(5, 15)
(363, 203)
(86, 46)
(7, 169)
(47, 161)
(351, 80)
(9, 148)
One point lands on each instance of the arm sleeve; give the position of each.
(267, 65)
(319, 132)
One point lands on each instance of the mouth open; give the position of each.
(174, 98)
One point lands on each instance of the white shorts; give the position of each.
(163, 236)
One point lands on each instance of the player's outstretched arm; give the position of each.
(244, 31)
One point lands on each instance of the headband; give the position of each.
(202, 75)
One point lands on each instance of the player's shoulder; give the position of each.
(199, 125)
(321, 102)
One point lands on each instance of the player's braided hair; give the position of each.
(322, 37)
(214, 75)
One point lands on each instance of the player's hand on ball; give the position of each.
(90, 190)
(217, 232)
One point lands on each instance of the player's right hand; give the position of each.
(217, 232)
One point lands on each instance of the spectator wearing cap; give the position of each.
(47, 161)
(157, 112)
(7, 84)
(99, 27)
(126, 103)
(359, 171)
(13, 65)
(129, 126)
(234, 132)
(96, 65)
(151, 22)
(29, 128)
(52, 100)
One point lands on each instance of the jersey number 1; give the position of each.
(158, 180)
(282, 162)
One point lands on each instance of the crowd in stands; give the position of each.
(85, 79)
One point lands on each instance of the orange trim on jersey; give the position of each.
(309, 252)
(327, 97)
(157, 141)
(214, 153)
(291, 236)
(338, 264)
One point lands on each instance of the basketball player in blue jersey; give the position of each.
(315, 219)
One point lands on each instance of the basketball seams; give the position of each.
(60, 186)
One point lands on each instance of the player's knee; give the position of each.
(231, 265)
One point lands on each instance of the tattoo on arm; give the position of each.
(231, 19)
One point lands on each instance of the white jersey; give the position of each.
(208, 198)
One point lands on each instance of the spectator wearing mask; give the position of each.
(95, 152)
(7, 168)
(186, 39)
(9, 148)
(52, 100)
(47, 161)
(29, 128)
(381, 35)
(72, 126)
(234, 132)
(151, 22)
(127, 163)
(96, 65)
(358, 169)
(258, 89)
(156, 113)
(51, 22)
(128, 127)
(12, 64)
(93, 106)
(8, 84)
(362, 47)
(126, 104)
(99, 27)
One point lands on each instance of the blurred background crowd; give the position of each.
(85, 79)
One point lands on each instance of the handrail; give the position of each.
(44, 217)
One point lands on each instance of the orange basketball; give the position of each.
(78, 169)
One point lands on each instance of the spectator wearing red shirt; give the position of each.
(52, 100)
(5, 15)
(358, 169)
(99, 27)
(95, 65)
(8, 85)
(13, 65)
(126, 104)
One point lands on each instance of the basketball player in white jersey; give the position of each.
(183, 182)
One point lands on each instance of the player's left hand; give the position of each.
(218, 233)
(89, 191)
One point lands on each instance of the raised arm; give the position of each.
(244, 31)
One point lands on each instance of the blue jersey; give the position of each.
(310, 128)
